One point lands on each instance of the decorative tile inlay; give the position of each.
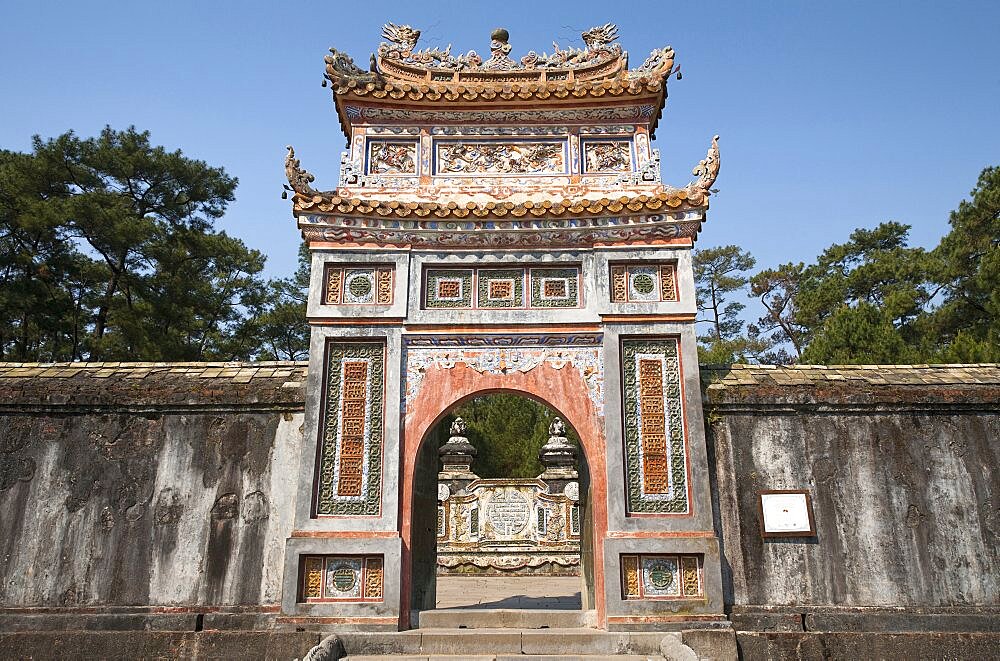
(350, 473)
(630, 576)
(607, 156)
(373, 578)
(500, 157)
(500, 288)
(655, 456)
(392, 157)
(448, 288)
(342, 578)
(661, 576)
(690, 575)
(643, 283)
(555, 287)
(364, 285)
(313, 578)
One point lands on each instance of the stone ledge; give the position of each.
(807, 646)
(157, 645)
(141, 387)
(866, 619)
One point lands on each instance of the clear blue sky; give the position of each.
(833, 115)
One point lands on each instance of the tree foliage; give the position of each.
(872, 299)
(719, 273)
(108, 251)
(507, 430)
(967, 323)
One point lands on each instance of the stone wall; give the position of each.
(160, 496)
(146, 496)
(901, 463)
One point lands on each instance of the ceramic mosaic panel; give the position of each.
(448, 288)
(638, 283)
(350, 471)
(555, 288)
(365, 285)
(500, 157)
(391, 157)
(661, 576)
(342, 578)
(500, 288)
(655, 453)
(607, 156)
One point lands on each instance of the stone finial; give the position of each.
(457, 454)
(558, 455)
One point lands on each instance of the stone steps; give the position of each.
(507, 657)
(503, 618)
(494, 644)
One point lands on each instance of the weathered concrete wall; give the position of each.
(146, 486)
(901, 463)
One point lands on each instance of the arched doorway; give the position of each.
(511, 511)
(568, 380)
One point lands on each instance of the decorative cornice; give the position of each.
(693, 196)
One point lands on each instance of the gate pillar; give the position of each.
(500, 224)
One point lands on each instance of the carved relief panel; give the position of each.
(507, 525)
(493, 157)
(606, 156)
(391, 157)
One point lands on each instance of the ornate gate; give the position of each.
(500, 224)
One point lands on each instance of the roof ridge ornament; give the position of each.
(397, 59)
(299, 180)
(708, 168)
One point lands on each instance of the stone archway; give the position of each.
(568, 379)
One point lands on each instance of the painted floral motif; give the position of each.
(497, 157)
(386, 157)
(607, 156)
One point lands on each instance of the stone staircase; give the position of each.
(524, 635)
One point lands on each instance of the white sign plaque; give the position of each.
(786, 513)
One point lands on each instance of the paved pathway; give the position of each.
(557, 592)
